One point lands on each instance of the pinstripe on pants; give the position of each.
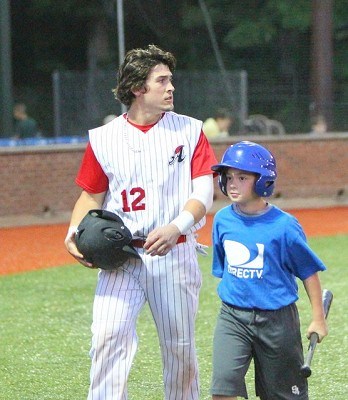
(170, 285)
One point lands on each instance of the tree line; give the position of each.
(273, 40)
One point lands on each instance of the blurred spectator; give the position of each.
(25, 126)
(319, 125)
(219, 125)
(259, 124)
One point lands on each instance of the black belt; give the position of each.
(140, 242)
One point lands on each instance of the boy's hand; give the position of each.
(320, 327)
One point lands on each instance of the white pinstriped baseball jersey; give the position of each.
(149, 180)
(152, 181)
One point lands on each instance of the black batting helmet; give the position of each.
(104, 240)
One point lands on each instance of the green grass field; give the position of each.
(45, 334)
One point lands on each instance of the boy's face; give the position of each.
(240, 186)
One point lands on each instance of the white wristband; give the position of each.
(184, 221)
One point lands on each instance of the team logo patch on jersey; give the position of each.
(244, 262)
(178, 155)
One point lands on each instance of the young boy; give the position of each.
(259, 251)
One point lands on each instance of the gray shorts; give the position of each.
(272, 339)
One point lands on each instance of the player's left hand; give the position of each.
(161, 240)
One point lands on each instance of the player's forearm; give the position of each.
(193, 212)
(314, 292)
(196, 208)
(85, 202)
(203, 191)
(197, 205)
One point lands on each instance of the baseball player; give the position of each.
(259, 251)
(152, 167)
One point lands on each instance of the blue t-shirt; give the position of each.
(259, 258)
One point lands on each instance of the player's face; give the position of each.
(158, 96)
(240, 186)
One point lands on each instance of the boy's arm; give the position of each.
(314, 292)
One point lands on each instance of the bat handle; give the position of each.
(313, 340)
(306, 367)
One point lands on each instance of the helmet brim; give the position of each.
(131, 251)
(220, 167)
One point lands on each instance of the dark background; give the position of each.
(296, 50)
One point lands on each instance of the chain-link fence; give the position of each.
(289, 102)
(83, 99)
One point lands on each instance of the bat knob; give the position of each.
(306, 371)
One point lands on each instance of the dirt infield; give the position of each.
(41, 246)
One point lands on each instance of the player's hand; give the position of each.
(70, 245)
(320, 327)
(161, 240)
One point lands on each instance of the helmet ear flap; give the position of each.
(264, 186)
(222, 180)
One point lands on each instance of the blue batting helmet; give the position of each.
(251, 157)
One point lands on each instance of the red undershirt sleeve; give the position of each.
(91, 176)
(203, 158)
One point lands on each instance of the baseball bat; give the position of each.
(313, 340)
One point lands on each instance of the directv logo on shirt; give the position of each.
(241, 262)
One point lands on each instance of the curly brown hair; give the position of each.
(134, 71)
